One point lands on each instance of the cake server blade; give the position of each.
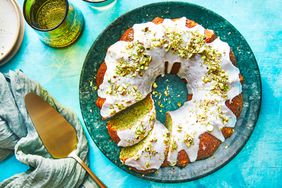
(57, 135)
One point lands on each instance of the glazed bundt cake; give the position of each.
(196, 129)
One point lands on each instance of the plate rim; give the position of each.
(18, 32)
(258, 105)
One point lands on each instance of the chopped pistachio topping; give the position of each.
(221, 115)
(137, 62)
(112, 110)
(194, 46)
(215, 73)
(120, 106)
(91, 83)
(136, 157)
(155, 92)
(95, 87)
(202, 117)
(178, 104)
(174, 43)
(124, 89)
(159, 102)
(147, 165)
(149, 149)
(188, 140)
(204, 107)
(140, 130)
(154, 139)
(179, 128)
(155, 85)
(152, 117)
(166, 93)
(166, 138)
(173, 145)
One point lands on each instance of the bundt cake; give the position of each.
(196, 129)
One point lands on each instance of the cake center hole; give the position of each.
(169, 93)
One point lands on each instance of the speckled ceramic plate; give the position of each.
(15, 46)
(246, 63)
(9, 27)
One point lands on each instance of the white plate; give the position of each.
(19, 40)
(10, 28)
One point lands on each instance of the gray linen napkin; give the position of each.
(18, 135)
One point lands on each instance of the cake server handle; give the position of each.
(93, 176)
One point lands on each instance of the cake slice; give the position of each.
(149, 154)
(133, 124)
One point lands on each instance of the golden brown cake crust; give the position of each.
(232, 58)
(210, 36)
(99, 80)
(235, 105)
(190, 23)
(227, 131)
(182, 158)
(175, 68)
(100, 74)
(113, 133)
(165, 163)
(99, 102)
(157, 20)
(128, 35)
(208, 143)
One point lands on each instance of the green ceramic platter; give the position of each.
(246, 63)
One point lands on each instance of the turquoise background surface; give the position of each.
(258, 164)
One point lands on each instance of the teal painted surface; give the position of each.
(258, 164)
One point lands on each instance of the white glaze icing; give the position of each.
(153, 157)
(193, 70)
(192, 126)
(128, 137)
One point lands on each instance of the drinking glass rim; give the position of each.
(95, 1)
(51, 29)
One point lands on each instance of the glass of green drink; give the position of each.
(57, 22)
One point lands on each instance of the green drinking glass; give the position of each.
(57, 22)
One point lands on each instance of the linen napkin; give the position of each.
(18, 135)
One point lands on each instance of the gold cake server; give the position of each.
(57, 135)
